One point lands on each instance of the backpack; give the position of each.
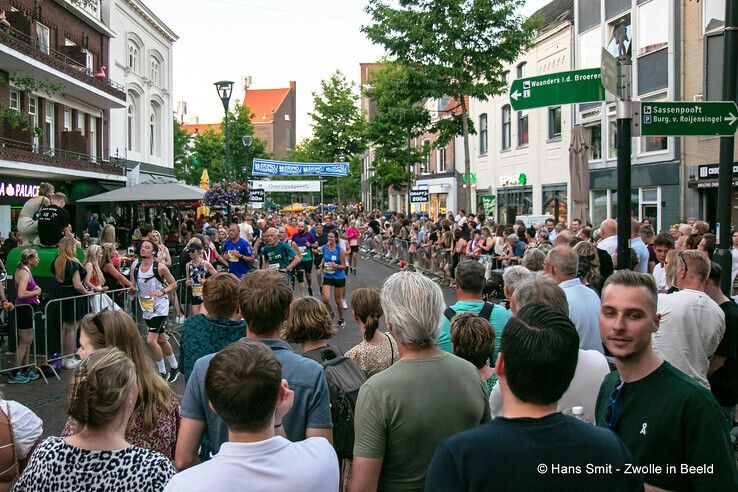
(344, 378)
(484, 313)
(155, 266)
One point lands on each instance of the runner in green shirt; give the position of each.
(276, 254)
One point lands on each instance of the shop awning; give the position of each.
(158, 190)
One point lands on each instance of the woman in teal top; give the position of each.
(333, 267)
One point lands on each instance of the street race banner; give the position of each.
(286, 186)
(264, 167)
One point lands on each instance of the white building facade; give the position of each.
(521, 158)
(141, 58)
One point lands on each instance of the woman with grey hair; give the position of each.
(533, 259)
(390, 403)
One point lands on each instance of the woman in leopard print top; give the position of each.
(103, 396)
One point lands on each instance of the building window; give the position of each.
(425, 166)
(590, 48)
(595, 142)
(554, 123)
(67, 120)
(132, 118)
(81, 119)
(521, 69)
(49, 126)
(155, 71)
(442, 159)
(15, 100)
(93, 138)
(620, 35)
(89, 61)
(33, 117)
(713, 14)
(154, 137)
(42, 37)
(653, 26)
(506, 140)
(555, 202)
(483, 134)
(288, 137)
(522, 129)
(649, 206)
(132, 55)
(612, 138)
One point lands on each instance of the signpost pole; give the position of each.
(322, 207)
(624, 121)
(723, 255)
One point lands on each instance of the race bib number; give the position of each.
(354, 242)
(302, 249)
(232, 255)
(274, 266)
(329, 268)
(147, 304)
(197, 290)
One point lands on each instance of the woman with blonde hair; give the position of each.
(155, 419)
(27, 301)
(107, 235)
(103, 396)
(94, 279)
(309, 323)
(70, 273)
(377, 350)
(671, 263)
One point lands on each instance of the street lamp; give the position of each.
(225, 88)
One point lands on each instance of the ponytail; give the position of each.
(370, 327)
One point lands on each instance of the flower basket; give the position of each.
(224, 193)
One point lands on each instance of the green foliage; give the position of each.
(339, 133)
(28, 84)
(398, 93)
(208, 150)
(461, 46)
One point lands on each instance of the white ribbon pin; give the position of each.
(643, 428)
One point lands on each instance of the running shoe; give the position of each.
(32, 374)
(341, 324)
(19, 378)
(173, 375)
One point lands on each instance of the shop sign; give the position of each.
(18, 190)
(256, 195)
(513, 180)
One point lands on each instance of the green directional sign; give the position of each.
(576, 86)
(689, 118)
(610, 73)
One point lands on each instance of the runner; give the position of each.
(277, 255)
(305, 242)
(197, 271)
(238, 252)
(334, 268)
(321, 237)
(152, 282)
(283, 236)
(352, 235)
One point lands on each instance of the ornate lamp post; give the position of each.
(225, 88)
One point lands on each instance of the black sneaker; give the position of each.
(341, 324)
(164, 375)
(173, 375)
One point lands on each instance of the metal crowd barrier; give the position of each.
(35, 361)
(52, 316)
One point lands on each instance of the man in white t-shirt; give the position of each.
(245, 387)
(609, 236)
(661, 247)
(246, 229)
(692, 324)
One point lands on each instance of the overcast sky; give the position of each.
(273, 41)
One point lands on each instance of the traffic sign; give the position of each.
(689, 118)
(611, 73)
(576, 86)
(419, 196)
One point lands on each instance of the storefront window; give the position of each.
(595, 142)
(513, 202)
(555, 203)
(633, 203)
(599, 207)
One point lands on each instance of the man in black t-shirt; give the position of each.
(723, 371)
(532, 446)
(53, 221)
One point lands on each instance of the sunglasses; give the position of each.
(681, 255)
(612, 411)
(98, 322)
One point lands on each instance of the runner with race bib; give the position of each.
(305, 242)
(334, 275)
(277, 255)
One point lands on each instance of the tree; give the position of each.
(398, 93)
(338, 127)
(208, 149)
(461, 45)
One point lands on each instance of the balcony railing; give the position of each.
(27, 45)
(15, 150)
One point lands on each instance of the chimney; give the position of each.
(293, 85)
